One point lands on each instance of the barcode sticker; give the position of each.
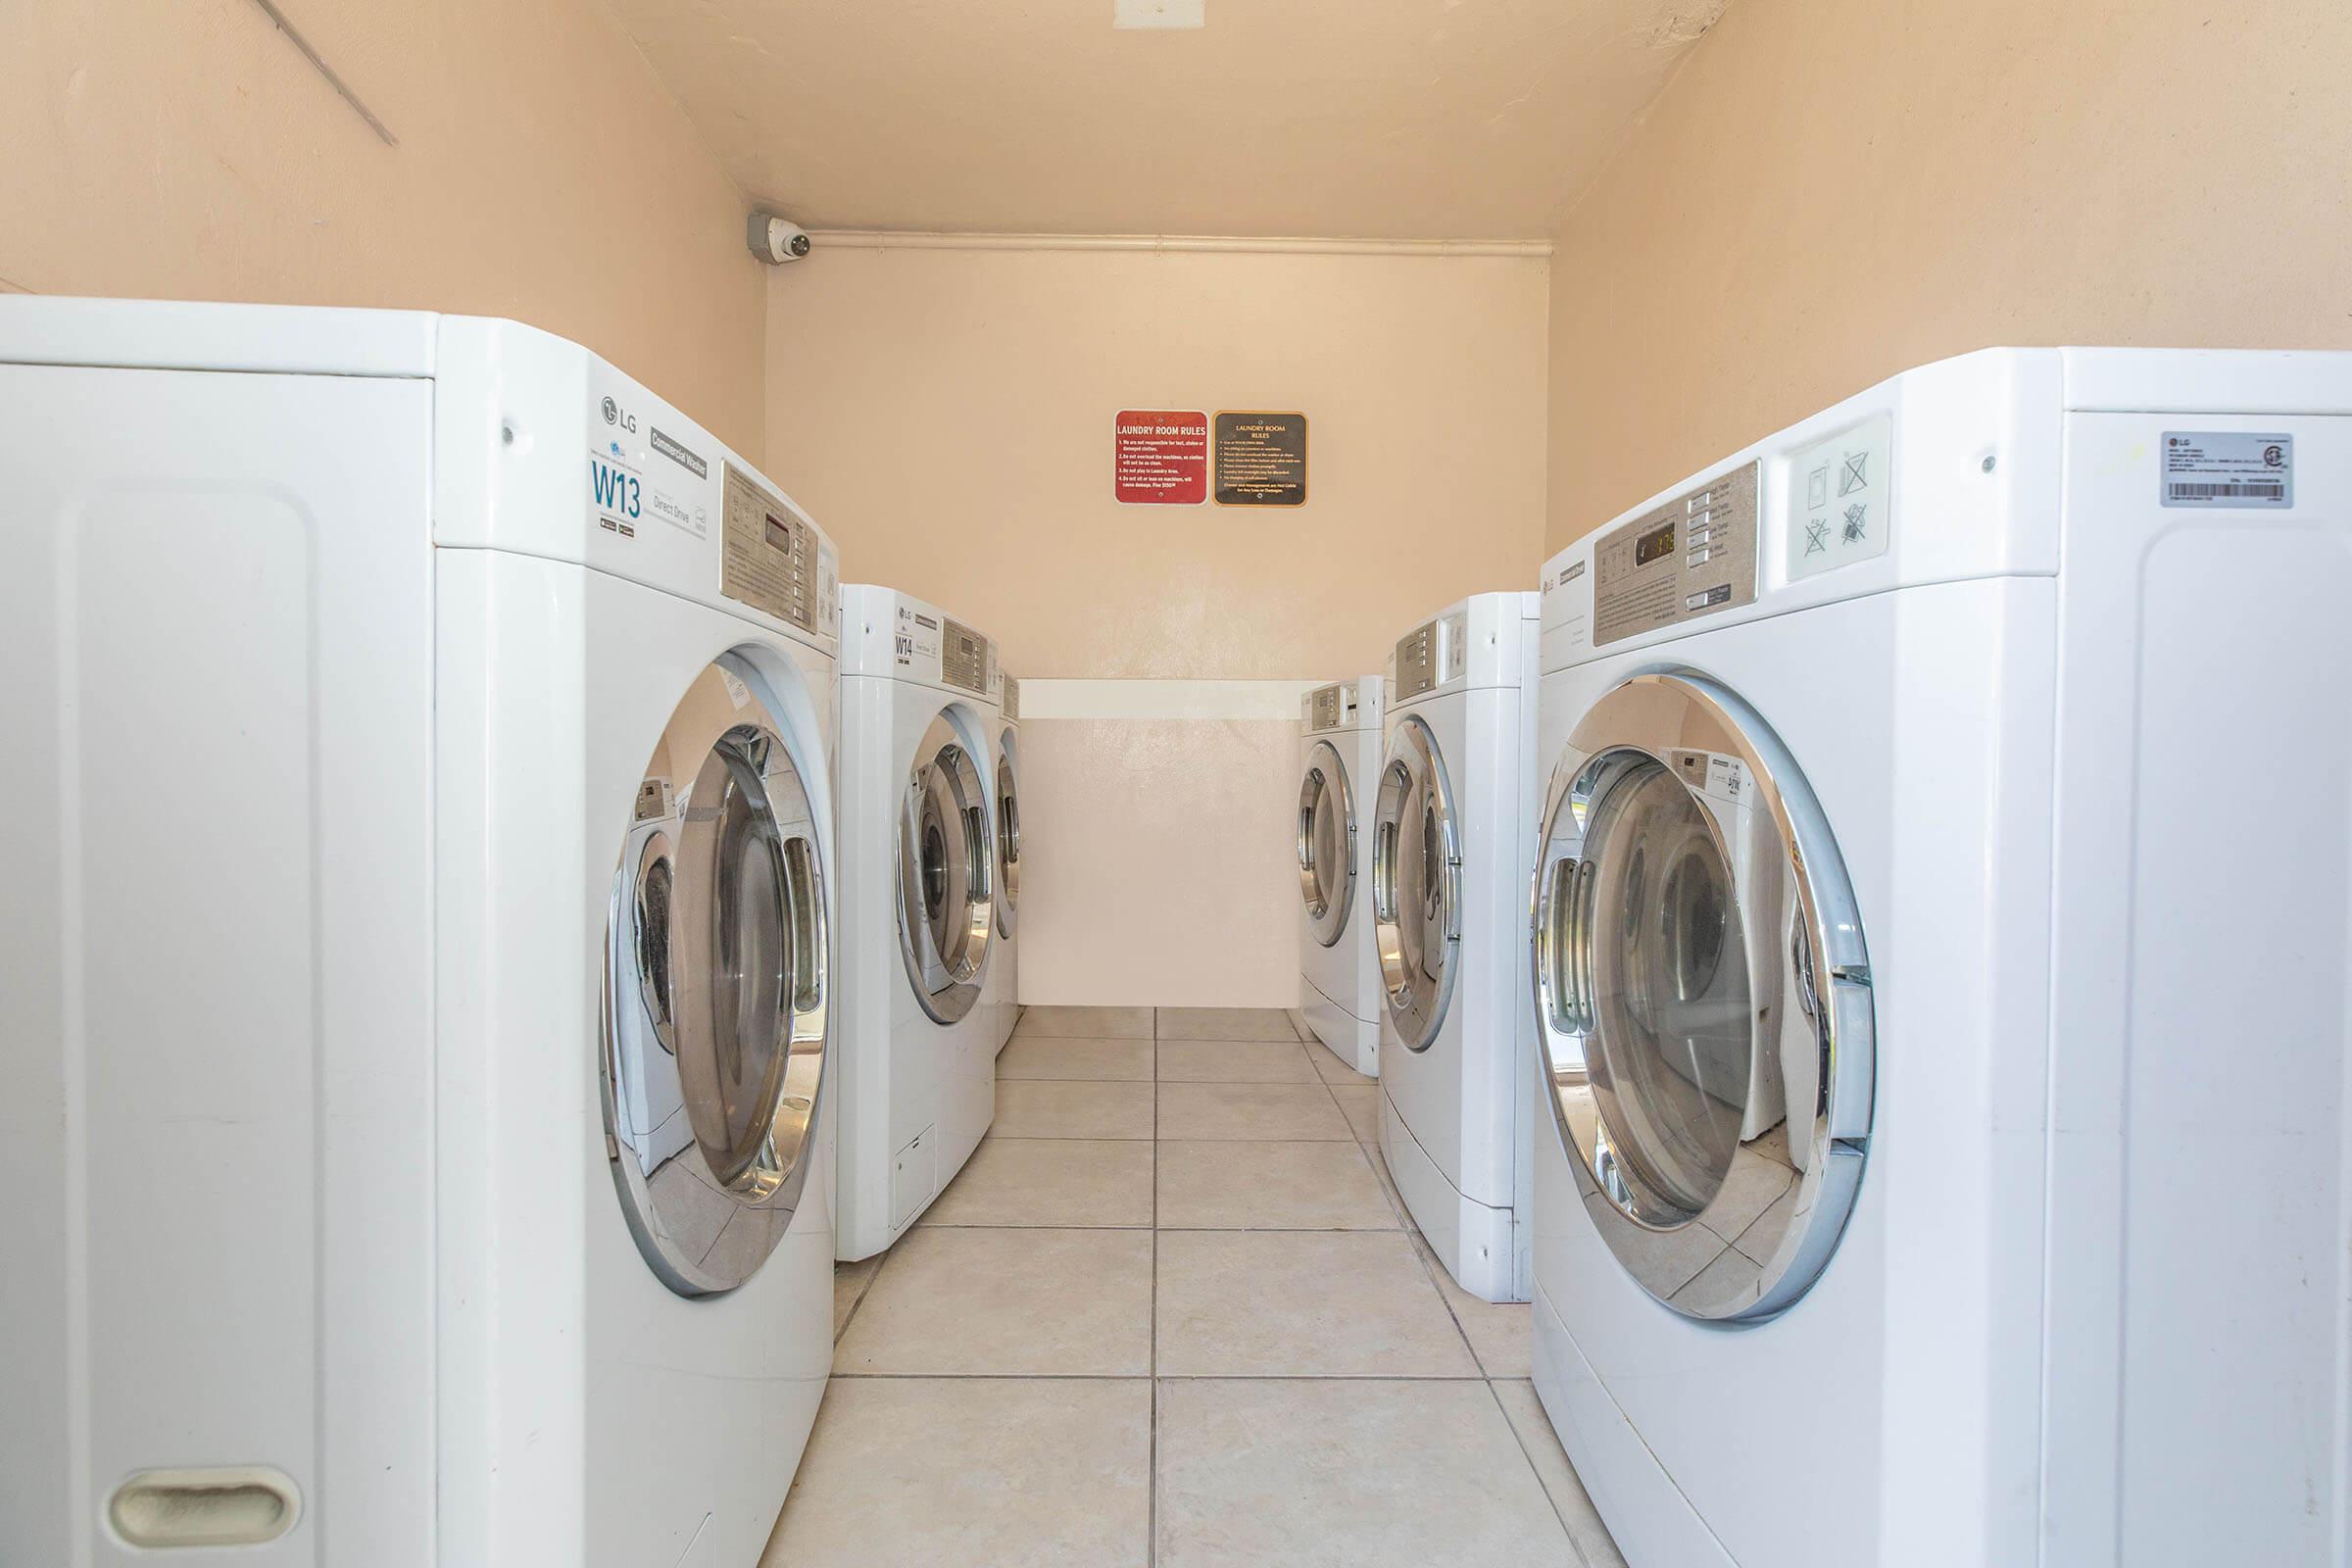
(2227, 468)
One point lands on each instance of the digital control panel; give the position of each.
(769, 557)
(1331, 706)
(1691, 556)
(965, 657)
(1429, 656)
(1414, 664)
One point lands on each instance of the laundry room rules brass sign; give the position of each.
(1261, 458)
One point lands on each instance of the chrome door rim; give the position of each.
(1416, 1004)
(1823, 1021)
(1326, 780)
(650, 923)
(1009, 834)
(705, 1225)
(943, 800)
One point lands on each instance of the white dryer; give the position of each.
(1939, 945)
(419, 739)
(918, 895)
(1451, 829)
(1339, 962)
(1004, 970)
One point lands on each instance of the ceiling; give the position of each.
(1357, 119)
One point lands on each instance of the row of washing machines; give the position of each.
(492, 918)
(1863, 948)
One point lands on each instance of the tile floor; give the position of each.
(1172, 1313)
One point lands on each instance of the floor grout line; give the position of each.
(1022, 1225)
(1425, 1255)
(1395, 1205)
(1329, 1143)
(1012, 1377)
(1322, 1377)
(866, 1295)
(1080, 1078)
(1248, 1083)
(1282, 1230)
(1158, 1039)
(1071, 1137)
(1036, 1138)
(1170, 1377)
(1537, 1470)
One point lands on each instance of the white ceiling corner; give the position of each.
(1359, 119)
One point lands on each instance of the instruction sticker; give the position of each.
(2227, 468)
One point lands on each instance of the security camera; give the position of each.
(776, 241)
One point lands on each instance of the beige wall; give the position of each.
(183, 149)
(1830, 190)
(1157, 859)
(948, 415)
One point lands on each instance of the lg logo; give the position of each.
(615, 414)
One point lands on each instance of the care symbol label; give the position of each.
(1841, 499)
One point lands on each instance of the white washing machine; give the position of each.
(418, 739)
(918, 890)
(1453, 834)
(1339, 962)
(1004, 970)
(1939, 935)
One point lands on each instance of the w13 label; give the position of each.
(618, 494)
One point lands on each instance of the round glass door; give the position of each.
(1416, 884)
(1702, 999)
(1008, 835)
(1326, 844)
(946, 874)
(717, 962)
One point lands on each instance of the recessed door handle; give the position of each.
(225, 1506)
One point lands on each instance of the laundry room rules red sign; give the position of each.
(1160, 457)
